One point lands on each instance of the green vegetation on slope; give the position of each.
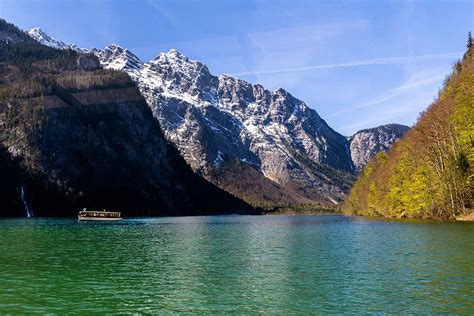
(429, 173)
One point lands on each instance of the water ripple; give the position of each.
(243, 264)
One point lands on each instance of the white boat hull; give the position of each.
(90, 218)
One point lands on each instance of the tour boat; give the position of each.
(104, 215)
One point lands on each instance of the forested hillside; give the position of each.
(430, 172)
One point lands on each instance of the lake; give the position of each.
(241, 264)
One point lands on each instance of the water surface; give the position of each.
(242, 264)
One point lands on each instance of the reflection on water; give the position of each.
(272, 264)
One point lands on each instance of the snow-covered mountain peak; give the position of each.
(116, 48)
(39, 35)
(173, 53)
(172, 56)
(179, 75)
(36, 31)
(281, 92)
(116, 57)
(176, 62)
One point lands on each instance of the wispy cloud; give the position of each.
(363, 62)
(295, 46)
(400, 104)
(395, 92)
(161, 9)
(412, 105)
(303, 36)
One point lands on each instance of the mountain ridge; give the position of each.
(216, 119)
(39, 35)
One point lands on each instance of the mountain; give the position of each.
(117, 58)
(429, 173)
(74, 135)
(284, 151)
(221, 121)
(366, 143)
(43, 38)
(112, 57)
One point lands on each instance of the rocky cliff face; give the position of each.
(216, 120)
(223, 121)
(366, 143)
(73, 135)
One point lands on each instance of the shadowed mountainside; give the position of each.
(75, 135)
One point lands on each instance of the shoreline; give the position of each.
(460, 219)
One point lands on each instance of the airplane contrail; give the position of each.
(363, 62)
(392, 93)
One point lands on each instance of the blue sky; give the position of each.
(358, 63)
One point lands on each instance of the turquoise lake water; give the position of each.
(240, 264)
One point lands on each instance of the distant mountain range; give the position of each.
(268, 148)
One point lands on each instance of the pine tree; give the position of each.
(469, 40)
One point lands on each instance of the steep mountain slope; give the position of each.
(73, 135)
(117, 58)
(430, 172)
(285, 151)
(40, 36)
(216, 120)
(366, 143)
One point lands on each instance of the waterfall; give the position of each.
(29, 213)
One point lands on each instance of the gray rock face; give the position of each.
(366, 143)
(213, 120)
(117, 58)
(88, 63)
